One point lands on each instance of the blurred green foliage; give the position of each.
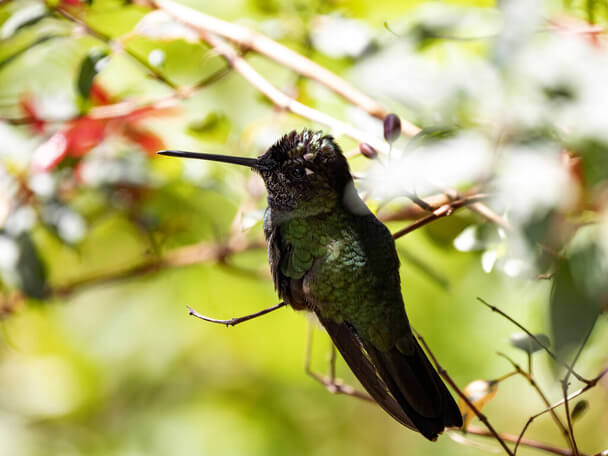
(97, 353)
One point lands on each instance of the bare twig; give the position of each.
(442, 211)
(524, 442)
(250, 39)
(587, 387)
(520, 326)
(463, 396)
(568, 418)
(283, 101)
(210, 27)
(491, 216)
(331, 383)
(534, 385)
(183, 256)
(565, 384)
(237, 320)
(413, 211)
(115, 45)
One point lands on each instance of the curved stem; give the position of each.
(237, 320)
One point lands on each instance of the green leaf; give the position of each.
(579, 408)
(526, 343)
(12, 57)
(579, 291)
(30, 268)
(89, 67)
(215, 127)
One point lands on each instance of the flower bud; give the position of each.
(368, 151)
(392, 128)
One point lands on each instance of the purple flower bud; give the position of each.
(368, 151)
(392, 128)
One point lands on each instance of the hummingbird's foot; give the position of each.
(331, 383)
(337, 386)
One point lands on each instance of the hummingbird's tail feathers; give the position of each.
(417, 387)
(349, 345)
(406, 386)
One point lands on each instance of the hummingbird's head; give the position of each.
(305, 173)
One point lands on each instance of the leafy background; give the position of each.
(90, 365)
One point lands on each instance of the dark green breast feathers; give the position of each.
(330, 255)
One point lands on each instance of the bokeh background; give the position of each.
(103, 244)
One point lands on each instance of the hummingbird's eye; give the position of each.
(298, 172)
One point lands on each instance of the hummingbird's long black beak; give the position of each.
(244, 161)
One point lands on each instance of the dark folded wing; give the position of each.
(406, 386)
(347, 342)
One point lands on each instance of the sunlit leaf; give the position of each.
(215, 127)
(527, 344)
(479, 392)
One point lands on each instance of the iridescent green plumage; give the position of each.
(354, 279)
(330, 255)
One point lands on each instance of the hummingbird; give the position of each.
(330, 255)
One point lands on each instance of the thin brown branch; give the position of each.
(442, 211)
(566, 383)
(491, 216)
(331, 383)
(524, 442)
(113, 44)
(210, 28)
(250, 39)
(587, 387)
(543, 397)
(235, 321)
(568, 417)
(520, 326)
(283, 101)
(464, 397)
(183, 256)
(413, 211)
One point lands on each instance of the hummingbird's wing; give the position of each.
(401, 378)
(351, 348)
(401, 384)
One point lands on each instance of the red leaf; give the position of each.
(83, 134)
(99, 95)
(26, 101)
(147, 140)
(71, 2)
(50, 152)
